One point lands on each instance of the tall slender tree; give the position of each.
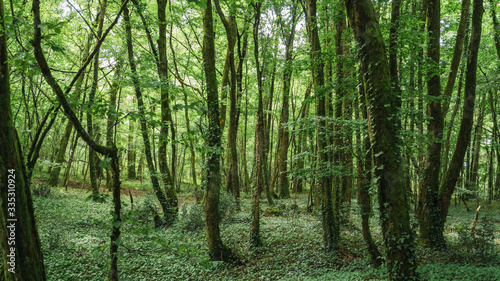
(218, 251)
(331, 230)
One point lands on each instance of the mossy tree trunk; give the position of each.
(218, 251)
(21, 249)
(428, 214)
(383, 123)
(168, 175)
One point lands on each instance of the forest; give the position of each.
(249, 140)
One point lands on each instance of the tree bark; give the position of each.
(451, 177)
(496, 28)
(131, 155)
(218, 251)
(232, 179)
(255, 238)
(167, 123)
(383, 129)
(112, 151)
(21, 248)
(331, 230)
(92, 128)
(457, 53)
(144, 128)
(112, 116)
(288, 34)
(428, 212)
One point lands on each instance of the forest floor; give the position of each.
(75, 241)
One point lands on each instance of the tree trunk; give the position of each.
(112, 117)
(383, 129)
(144, 129)
(364, 181)
(92, 129)
(457, 53)
(496, 28)
(111, 152)
(232, 179)
(473, 185)
(302, 143)
(218, 251)
(428, 213)
(451, 177)
(255, 239)
(131, 156)
(21, 248)
(166, 118)
(283, 133)
(331, 230)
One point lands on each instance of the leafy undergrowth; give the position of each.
(75, 242)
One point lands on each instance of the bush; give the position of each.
(192, 217)
(477, 245)
(40, 190)
(227, 206)
(145, 211)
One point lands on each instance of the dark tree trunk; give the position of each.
(144, 128)
(218, 251)
(451, 177)
(232, 179)
(283, 132)
(21, 249)
(383, 129)
(331, 230)
(255, 239)
(92, 128)
(457, 53)
(166, 118)
(111, 152)
(112, 117)
(428, 212)
(131, 156)
(496, 28)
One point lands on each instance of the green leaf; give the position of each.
(117, 224)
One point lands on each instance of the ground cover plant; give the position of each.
(74, 235)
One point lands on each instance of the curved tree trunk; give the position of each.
(383, 124)
(451, 177)
(144, 128)
(112, 151)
